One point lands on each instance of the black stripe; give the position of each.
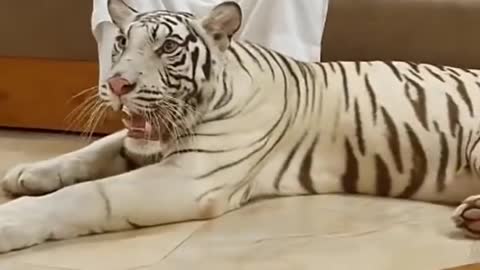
(170, 21)
(208, 192)
(147, 99)
(239, 60)
(324, 71)
(307, 90)
(436, 75)
(419, 169)
(373, 98)
(462, 90)
(336, 121)
(459, 148)
(452, 70)
(453, 115)
(395, 70)
(234, 163)
(472, 148)
(207, 66)
(345, 86)
(471, 72)
(226, 96)
(314, 89)
(180, 62)
(195, 55)
(255, 59)
(264, 57)
(417, 75)
(358, 66)
(359, 128)
(146, 91)
(201, 151)
(442, 168)
(467, 147)
(246, 195)
(236, 111)
(297, 82)
(383, 179)
(106, 200)
(134, 225)
(286, 163)
(129, 7)
(393, 140)
(332, 66)
(273, 147)
(154, 32)
(350, 177)
(414, 66)
(419, 103)
(305, 176)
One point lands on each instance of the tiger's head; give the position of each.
(165, 65)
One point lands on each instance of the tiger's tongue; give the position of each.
(137, 121)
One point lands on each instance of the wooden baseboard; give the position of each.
(37, 94)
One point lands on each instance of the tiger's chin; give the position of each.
(143, 147)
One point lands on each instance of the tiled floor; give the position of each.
(323, 232)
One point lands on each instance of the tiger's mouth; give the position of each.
(140, 128)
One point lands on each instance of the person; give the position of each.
(292, 27)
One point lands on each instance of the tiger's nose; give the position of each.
(120, 86)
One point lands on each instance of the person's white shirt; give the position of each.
(292, 27)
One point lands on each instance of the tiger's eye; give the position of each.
(169, 46)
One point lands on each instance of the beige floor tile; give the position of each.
(330, 232)
(119, 251)
(16, 146)
(21, 266)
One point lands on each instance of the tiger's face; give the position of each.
(164, 67)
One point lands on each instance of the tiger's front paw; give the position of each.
(36, 178)
(467, 216)
(20, 228)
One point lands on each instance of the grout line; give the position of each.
(180, 244)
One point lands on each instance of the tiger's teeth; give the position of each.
(126, 123)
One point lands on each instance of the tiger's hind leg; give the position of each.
(467, 216)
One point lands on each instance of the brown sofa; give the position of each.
(440, 32)
(48, 54)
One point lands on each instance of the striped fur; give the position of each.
(382, 128)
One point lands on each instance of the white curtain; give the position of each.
(293, 27)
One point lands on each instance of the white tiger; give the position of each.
(214, 123)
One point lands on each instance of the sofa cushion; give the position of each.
(440, 32)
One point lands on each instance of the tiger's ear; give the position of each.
(121, 13)
(223, 22)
